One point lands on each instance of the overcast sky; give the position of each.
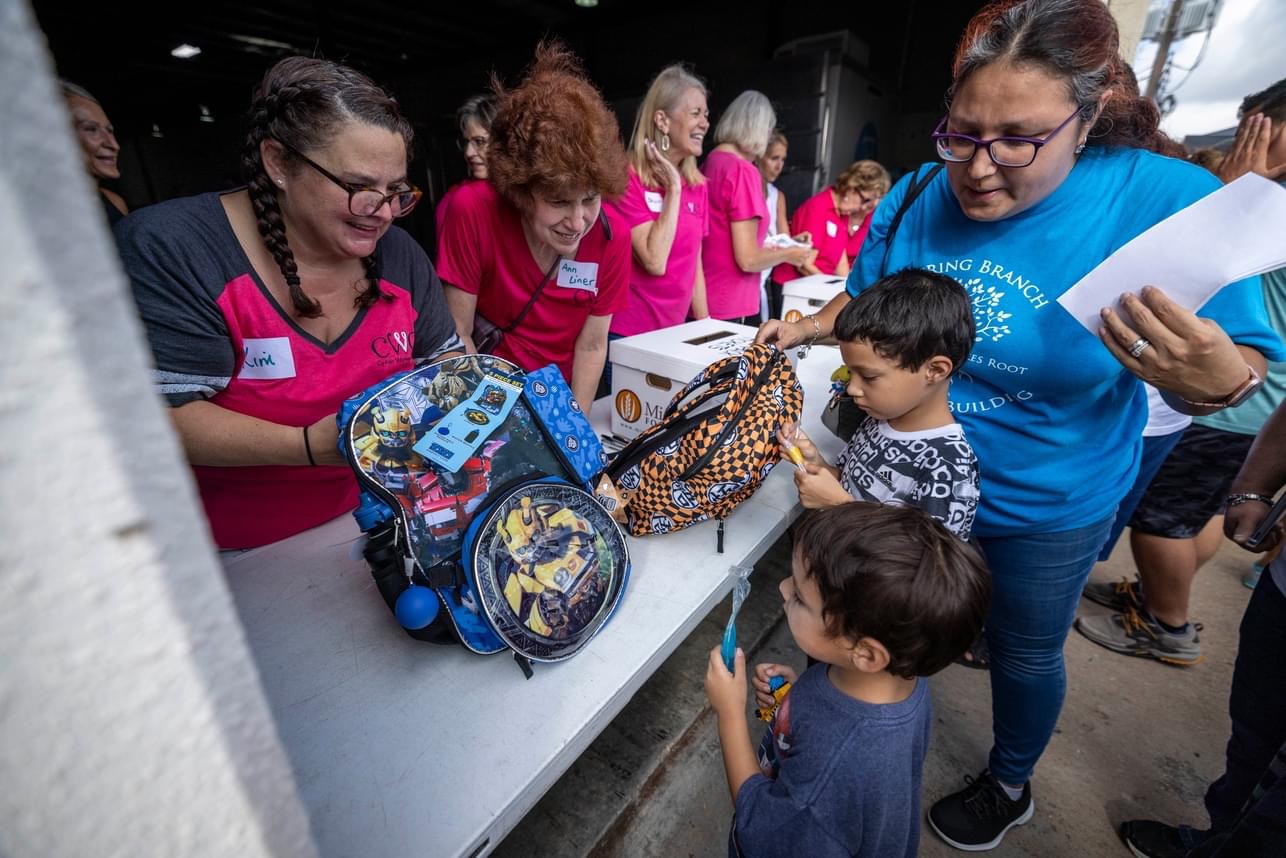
(1247, 52)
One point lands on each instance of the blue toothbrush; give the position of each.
(740, 588)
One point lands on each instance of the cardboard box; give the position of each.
(804, 296)
(649, 369)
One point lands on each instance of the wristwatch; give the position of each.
(1243, 392)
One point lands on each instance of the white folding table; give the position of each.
(405, 748)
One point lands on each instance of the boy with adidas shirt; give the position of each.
(902, 340)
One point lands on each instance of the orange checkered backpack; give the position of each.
(715, 444)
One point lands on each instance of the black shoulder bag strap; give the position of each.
(509, 328)
(917, 186)
(549, 275)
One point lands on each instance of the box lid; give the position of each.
(682, 351)
(814, 286)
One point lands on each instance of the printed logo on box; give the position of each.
(628, 406)
(267, 358)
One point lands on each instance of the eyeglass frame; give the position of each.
(1037, 142)
(353, 190)
(480, 143)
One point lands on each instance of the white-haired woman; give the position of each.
(733, 253)
(665, 206)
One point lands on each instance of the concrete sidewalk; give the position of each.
(1137, 738)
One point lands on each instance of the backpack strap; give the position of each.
(916, 188)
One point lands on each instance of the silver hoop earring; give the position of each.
(665, 142)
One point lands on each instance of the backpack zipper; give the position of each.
(731, 425)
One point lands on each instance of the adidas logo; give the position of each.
(885, 476)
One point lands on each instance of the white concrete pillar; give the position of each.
(132, 722)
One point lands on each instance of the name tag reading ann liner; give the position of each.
(578, 275)
(267, 358)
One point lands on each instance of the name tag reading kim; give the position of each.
(653, 200)
(266, 358)
(578, 275)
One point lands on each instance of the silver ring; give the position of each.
(1138, 347)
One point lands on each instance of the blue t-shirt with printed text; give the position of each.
(1054, 419)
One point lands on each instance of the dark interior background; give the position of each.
(179, 122)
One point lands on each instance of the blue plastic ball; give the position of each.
(416, 607)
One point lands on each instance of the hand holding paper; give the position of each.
(1232, 234)
(1153, 330)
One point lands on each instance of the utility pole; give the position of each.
(1163, 48)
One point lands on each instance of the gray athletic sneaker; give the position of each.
(1117, 595)
(1135, 633)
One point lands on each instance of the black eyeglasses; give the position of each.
(363, 201)
(479, 143)
(1003, 151)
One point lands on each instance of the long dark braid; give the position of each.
(300, 103)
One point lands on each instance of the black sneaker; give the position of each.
(1147, 838)
(977, 818)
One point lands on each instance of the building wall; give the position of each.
(132, 722)
(1129, 15)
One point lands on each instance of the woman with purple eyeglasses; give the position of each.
(1053, 162)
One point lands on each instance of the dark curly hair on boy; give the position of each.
(553, 133)
(898, 576)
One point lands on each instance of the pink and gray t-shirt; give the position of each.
(218, 334)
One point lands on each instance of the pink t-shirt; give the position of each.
(736, 193)
(856, 240)
(829, 229)
(662, 301)
(444, 204)
(483, 251)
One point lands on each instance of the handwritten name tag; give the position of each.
(267, 357)
(832, 228)
(578, 275)
(653, 200)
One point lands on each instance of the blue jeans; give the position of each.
(1036, 584)
(1155, 449)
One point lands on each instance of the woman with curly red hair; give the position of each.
(532, 251)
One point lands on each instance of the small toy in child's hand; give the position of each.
(778, 686)
(786, 439)
(739, 590)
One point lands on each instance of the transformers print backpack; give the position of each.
(714, 446)
(480, 528)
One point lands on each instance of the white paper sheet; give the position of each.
(1236, 232)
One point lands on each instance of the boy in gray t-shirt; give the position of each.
(902, 341)
(880, 596)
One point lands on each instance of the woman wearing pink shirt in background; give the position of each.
(733, 253)
(665, 206)
(474, 119)
(837, 219)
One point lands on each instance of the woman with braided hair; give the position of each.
(532, 251)
(266, 307)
